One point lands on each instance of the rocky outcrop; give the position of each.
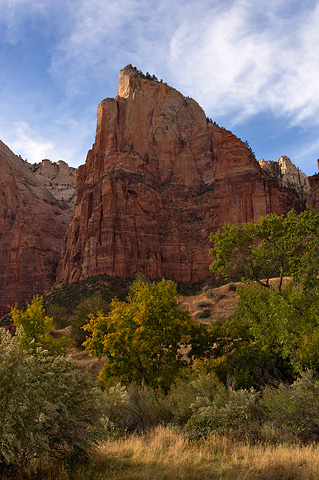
(32, 228)
(313, 198)
(287, 175)
(157, 181)
(59, 179)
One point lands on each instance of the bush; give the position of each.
(94, 304)
(234, 411)
(293, 410)
(134, 408)
(185, 392)
(212, 293)
(49, 410)
(202, 304)
(58, 315)
(203, 314)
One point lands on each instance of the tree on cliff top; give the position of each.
(142, 337)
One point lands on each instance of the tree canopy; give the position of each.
(37, 326)
(275, 246)
(143, 337)
(274, 334)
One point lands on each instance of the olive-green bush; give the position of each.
(48, 410)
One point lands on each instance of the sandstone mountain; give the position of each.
(59, 179)
(287, 175)
(158, 180)
(32, 228)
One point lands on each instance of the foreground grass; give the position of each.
(164, 454)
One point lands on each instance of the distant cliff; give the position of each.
(287, 175)
(59, 179)
(158, 180)
(32, 227)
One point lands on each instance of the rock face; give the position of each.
(287, 175)
(157, 181)
(32, 228)
(59, 179)
(313, 198)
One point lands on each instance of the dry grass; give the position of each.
(222, 304)
(165, 454)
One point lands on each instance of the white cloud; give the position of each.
(241, 61)
(28, 144)
(235, 58)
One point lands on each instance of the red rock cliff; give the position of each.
(32, 228)
(157, 181)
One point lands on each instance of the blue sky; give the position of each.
(252, 65)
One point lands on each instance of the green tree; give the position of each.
(37, 327)
(95, 303)
(274, 334)
(143, 336)
(49, 410)
(274, 246)
(256, 251)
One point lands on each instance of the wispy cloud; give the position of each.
(236, 58)
(32, 146)
(241, 61)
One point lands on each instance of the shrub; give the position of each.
(185, 392)
(203, 314)
(293, 410)
(142, 337)
(58, 314)
(92, 305)
(202, 304)
(49, 410)
(212, 293)
(235, 411)
(134, 408)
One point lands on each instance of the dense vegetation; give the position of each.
(252, 377)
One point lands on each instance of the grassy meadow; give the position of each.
(166, 454)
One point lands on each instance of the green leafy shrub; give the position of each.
(134, 408)
(235, 411)
(185, 392)
(48, 409)
(142, 337)
(293, 410)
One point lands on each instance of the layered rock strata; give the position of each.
(287, 175)
(59, 179)
(32, 228)
(157, 181)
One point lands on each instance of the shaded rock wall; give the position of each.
(32, 228)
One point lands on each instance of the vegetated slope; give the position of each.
(159, 179)
(32, 228)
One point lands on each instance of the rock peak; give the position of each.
(127, 81)
(157, 181)
(286, 175)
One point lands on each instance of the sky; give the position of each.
(252, 65)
